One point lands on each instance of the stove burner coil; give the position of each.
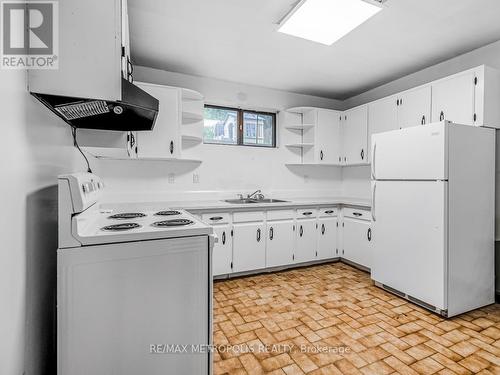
(127, 215)
(120, 227)
(168, 213)
(172, 223)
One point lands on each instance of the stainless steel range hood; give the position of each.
(137, 110)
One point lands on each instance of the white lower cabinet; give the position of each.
(249, 246)
(280, 243)
(306, 250)
(356, 237)
(327, 238)
(223, 250)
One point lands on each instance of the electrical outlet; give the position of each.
(171, 178)
(196, 178)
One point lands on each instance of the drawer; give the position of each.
(306, 213)
(216, 218)
(328, 211)
(280, 214)
(241, 217)
(357, 213)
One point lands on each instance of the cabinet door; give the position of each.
(280, 241)
(356, 241)
(453, 99)
(126, 62)
(223, 251)
(355, 135)
(164, 140)
(306, 240)
(382, 117)
(414, 107)
(327, 238)
(249, 247)
(327, 142)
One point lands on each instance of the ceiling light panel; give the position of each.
(326, 21)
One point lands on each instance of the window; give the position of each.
(233, 126)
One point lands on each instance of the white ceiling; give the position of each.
(236, 40)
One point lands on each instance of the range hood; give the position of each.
(137, 110)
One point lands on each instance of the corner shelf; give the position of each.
(313, 165)
(193, 161)
(191, 96)
(300, 145)
(189, 118)
(191, 138)
(299, 127)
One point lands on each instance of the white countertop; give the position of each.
(290, 202)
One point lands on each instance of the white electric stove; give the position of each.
(134, 284)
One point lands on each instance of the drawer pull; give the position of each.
(307, 213)
(329, 212)
(357, 214)
(216, 218)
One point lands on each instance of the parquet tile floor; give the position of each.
(330, 319)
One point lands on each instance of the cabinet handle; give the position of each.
(369, 234)
(397, 102)
(322, 228)
(345, 159)
(171, 147)
(362, 154)
(441, 116)
(271, 233)
(130, 71)
(340, 159)
(357, 214)
(329, 212)
(224, 237)
(301, 231)
(258, 235)
(423, 120)
(216, 218)
(307, 213)
(321, 155)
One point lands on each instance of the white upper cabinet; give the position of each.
(382, 117)
(327, 145)
(164, 140)
(414, 107)
(453, 99)
(469, 98)
(354, 129)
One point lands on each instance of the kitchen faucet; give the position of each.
(256, 195)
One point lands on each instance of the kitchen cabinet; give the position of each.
(164, 140)
(327, 143)
(223, 251)
(382, 117)
(414, 107)
(280, 242)
(327, 238)
(354, 129)
(321, 143)
(306, 229)
(249, 246)
(356, 237)
(469, 98)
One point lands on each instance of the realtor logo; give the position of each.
(29, 35)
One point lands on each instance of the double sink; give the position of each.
(252, 200)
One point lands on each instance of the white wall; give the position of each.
(226, 170)
(36, 148)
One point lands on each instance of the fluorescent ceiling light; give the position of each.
(326, 21)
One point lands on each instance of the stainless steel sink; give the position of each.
(249, 201)
(240, 201)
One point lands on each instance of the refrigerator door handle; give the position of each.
(373, 201)
(374, 153)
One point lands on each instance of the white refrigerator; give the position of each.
(433, 202)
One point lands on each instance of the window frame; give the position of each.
(239, 134)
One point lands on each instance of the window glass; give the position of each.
(220, 126)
